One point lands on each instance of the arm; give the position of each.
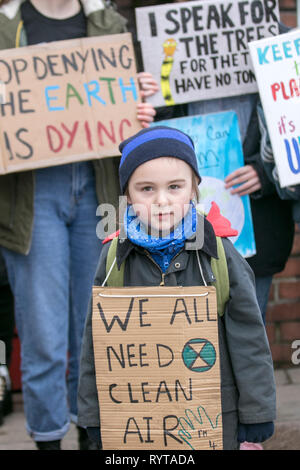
(252, 178)
(248, 344)
(102, 20)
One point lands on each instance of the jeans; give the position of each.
(263, 286)
(52, 286)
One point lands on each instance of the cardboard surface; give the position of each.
(199, 50)
(157, 367)
(66, 101)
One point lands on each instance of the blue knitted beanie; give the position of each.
(155, 142)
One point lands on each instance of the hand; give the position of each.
(246, 177)
(148, 84)
(258, 432)
(145, 113)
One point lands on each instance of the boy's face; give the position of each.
(160, 191)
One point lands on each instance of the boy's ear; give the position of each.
(193, 195)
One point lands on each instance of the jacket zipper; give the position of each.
(162, 282)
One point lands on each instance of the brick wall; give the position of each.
(283, 314)
(288, 12)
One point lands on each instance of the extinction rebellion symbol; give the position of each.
(199, 355)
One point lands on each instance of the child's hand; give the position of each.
(247, 179)
(145, 113)
(258, 432)
(148, 84)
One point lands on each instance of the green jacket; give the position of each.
(17, 189)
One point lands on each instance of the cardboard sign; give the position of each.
(157, 367)
(277, 68)
(219, 152)
(199, 50)
(66, 101)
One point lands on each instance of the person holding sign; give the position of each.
(207, 39)
(273, 235)
(289, 192)
(48, 232)
(251, 179)
(167, 243)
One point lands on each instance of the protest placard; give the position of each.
(277, 67)
(199, 50)
(219, 152)
(157, 367)
(66, 101)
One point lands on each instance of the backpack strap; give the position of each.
(115, 278)
(220, 270)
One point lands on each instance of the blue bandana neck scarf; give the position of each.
(162, 249)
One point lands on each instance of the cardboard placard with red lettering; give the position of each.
(199, 50)
(277, 67)
(66, 101)
(157, 367)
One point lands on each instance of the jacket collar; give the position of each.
(204, 240)
(11, 8)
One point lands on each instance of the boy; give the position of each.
(158, 173)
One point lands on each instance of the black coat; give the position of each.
(272, 217)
